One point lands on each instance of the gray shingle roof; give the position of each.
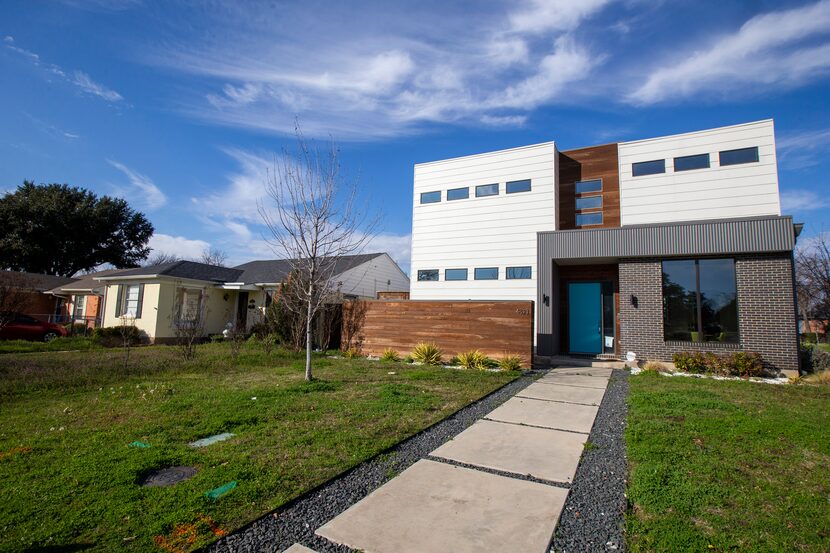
(39, 281)
(85, 282)
(185, 269)
(276, 270)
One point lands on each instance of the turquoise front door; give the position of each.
(585, 317)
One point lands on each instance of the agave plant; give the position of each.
(390, 355)
(510, 363)
(427, 353)
(473, 359)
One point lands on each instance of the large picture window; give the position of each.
(700, 300)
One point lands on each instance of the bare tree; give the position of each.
(813, 279)
(214, 256)
(313, 222)
(188, 320)
(15, 293)
(160, 258)
(128, 333)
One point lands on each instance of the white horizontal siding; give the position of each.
(376, 275)
(715, 193)
(493, 231)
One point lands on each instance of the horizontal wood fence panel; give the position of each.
(497, 328)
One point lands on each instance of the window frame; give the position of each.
(483, 186)
(756, 160)
(124, 300)
(529, 270)
(446, 271)
(589, 214)
(466, 196)
(699, 304)
(420, 271)
(423, 194)
(477, 269)
(581, 192)
(518, 182)
(80, 302)
(707, 166)
(642, 163)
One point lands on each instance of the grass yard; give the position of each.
(727, 466)
(69, 480)
(70, 343)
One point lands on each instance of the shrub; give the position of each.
(693, 362)
(655, 366)
(390, 355)
(215, 338)
(268, 343)
(113, 336)
(744, 363)
(821, 378)
(351, 353)
(510, 363)
(427, 353)
(809, 338)
(473, 359)
(408, 359)
(815, 359)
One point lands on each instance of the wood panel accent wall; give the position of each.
(587, 273)
(392, 295)
(595, 162)
(497, 328)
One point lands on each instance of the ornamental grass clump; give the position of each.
(510, 363)
(473, 359)
(351, 353)
(427, 353)
(390, 355)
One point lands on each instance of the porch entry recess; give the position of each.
(590, 318)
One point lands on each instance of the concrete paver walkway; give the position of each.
(435, 505)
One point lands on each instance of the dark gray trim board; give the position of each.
(717, 237)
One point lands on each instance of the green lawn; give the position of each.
(70, 343)
(727, 466)
(69, 480)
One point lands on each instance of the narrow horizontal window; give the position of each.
(518, 186)
(455, 274)
(583, 186)
(487, 273)
(487, 190)
(687, 163)
(648, 168)
(736, 157)
(591, 202)
(428, 274)
(430, 197)
(458, 194)
(518, 273)
(584, 219)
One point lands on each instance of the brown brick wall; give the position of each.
(766, 311)
(496, 328)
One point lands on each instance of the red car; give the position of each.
(24, 327)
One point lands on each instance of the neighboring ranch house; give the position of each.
(36, 286)
(81, 300)
(149, 297)
(654, 246)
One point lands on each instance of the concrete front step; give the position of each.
(562, 361)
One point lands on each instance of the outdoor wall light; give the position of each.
(546, 300)
(634, 300)
(225, 297)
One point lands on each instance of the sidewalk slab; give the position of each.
(584, 371)
(540, 452)
(299, 548)
(572, 394)
(575, 380)
(433, 506)
(548, 414)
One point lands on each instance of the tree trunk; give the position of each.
(308, 342)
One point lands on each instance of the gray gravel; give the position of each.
(296, 522)
(593, 516)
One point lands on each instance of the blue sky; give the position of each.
(181, 107)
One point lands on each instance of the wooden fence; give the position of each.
(497, 328)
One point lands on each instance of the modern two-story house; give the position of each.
(653, 246)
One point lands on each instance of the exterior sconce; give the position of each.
(546, 300)
(225, 297)
(634, 301)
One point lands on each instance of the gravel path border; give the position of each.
(296, 521)
(593, 516)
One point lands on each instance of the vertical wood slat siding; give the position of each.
(497, 328)
(596, 162)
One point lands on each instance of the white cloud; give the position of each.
(803, 149)
(802, 200)
(79, 79)
(143, 190)
(85, 83)
(399, 247)
(381, 76)
(246, 187)
(771, 49)
(177, 245)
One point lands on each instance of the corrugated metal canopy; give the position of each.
(716, 237)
